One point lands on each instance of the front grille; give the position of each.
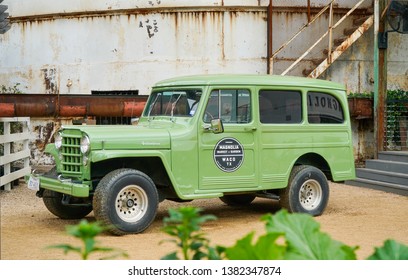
(71, 155)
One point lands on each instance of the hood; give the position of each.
(129, 137)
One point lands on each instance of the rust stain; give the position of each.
(106, 110)
(35, 110)
(133, 109)
(133, 11)
(50, 80)
(51, 105)
(7, 110)
(72, 111)
(44, 135)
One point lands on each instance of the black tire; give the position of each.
(307, 191)
(53, 202)
(126, 200)
(238, 199)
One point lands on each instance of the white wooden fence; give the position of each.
(20, 151)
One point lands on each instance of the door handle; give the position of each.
(252, 128)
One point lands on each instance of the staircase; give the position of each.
(336, 47)
(361, 25)
(387, 173)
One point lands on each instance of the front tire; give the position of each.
(126, 200)
(53, 201)
(307, 191)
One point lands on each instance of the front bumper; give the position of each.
(62, 186)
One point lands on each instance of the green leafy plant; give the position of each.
(7, 89)
(360, 95)
(86, 232)
(391, 250)
(397, 109)
(396, 112)
(288, 237)
(300, 239)
(184, 225)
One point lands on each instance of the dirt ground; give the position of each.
(354, 216)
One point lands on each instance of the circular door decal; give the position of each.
(228, 154)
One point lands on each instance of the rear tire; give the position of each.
(307, 191)
(53, 201)
(238, 199)
(126, 200)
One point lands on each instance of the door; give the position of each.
(228, 160)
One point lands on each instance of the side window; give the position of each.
(229, 105)
(280, 106)
(323, 108)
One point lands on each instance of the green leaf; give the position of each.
(86, 232)
(391, 250)
(264, 249)
(66, 248)
(184, 225)
(214, 253)
(171, 256)
(304, 239)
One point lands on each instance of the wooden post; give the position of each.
(380, 77)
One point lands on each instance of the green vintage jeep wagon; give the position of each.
(232, 137)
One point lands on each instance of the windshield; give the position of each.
(171, 103)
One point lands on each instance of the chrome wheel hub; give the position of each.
(310, 195)
(131, 203)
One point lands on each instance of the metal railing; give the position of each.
(14, 150)
(396, 126)
(329, 32)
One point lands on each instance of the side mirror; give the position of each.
(217, 126)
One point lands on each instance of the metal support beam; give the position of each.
(269, 39)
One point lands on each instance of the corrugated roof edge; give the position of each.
(247, 79)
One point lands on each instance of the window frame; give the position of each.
(234, 105)
(275, 91)
(327, 103)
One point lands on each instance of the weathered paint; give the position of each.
(363, 140)
(113, 45)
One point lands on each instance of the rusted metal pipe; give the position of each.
(72, 105)
(269, 38)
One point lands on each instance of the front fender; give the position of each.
(53, 151)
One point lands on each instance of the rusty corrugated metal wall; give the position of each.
(77, 46)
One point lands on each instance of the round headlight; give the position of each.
(85, 143)
(58, 140)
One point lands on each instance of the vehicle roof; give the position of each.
(248, 79)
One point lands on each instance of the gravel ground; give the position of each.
(354, 216)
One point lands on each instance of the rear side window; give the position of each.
(280, 106)
(323, 108)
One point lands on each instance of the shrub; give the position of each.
(288, 237)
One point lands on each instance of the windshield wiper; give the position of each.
(152, 105)
(173, 105)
